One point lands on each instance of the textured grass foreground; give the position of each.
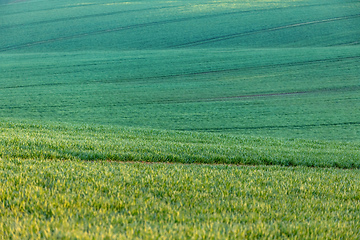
(111, 200)
(76, 142)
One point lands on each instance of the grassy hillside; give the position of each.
(103, 25)
(241, 82)
(101, 200)
(81, 142)
(267, 92)
(282, 68)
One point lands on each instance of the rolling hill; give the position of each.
(155, 119)
(286, 69)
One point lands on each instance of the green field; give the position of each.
(239, 84)
(95, 200)
(80, 142)
(287, 69)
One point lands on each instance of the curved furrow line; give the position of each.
(63, 38)
(170, 101)
(274, 127)
(86, 16)
(346, 44)
(251, 96)
(162, 22)
(12, 2)
(236, 35)
(180, 5)
(38, 85)
(129, 27)
(51, 8)
(322, 90)
(147, 79)
(32, 106)
(150, 9)
(245, 68)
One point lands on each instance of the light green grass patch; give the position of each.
(90, 142)
(86, 200)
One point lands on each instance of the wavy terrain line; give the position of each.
(168, 21)
(246, 68)
(338, 89)
(85, 17)
(236, 35)
(12, 2)
(347, 44)
(150, 9)
(147, 78)
(215, 99)
(129, 27)
(251, 96)
(269, 127)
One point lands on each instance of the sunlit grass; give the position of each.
(90, 142)
(86, 200)
(182, 119)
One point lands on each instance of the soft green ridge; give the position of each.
(84, 142)
(101, 200)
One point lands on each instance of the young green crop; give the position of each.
(97, 200)
(220, 82)
(285, 69)
(314, 95)
(90, 142)
(32, 26)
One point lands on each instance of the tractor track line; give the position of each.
(122, 28)
(168, 21)
(346, 44)
(236, 35)
(182, 5)
(84, 17)
(252, 96)
(150, 9)
(245, 68)
(289, 64)
(216, 99)
(162, 102)
(270, 127)
(65, 7)
(98, 32)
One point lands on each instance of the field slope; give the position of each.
(285, 69)
(97, 200)
(55, 141)
(100, 102)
